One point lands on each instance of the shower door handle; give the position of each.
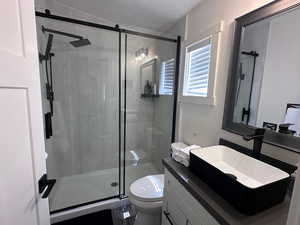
(45, 183)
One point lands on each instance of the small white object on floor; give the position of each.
(126, 215)
(181, 152)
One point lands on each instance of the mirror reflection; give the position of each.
(268, 79)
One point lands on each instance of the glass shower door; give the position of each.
(149, 64)
(83, 146)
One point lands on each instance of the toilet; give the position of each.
(146, 194)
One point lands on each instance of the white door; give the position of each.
(22, 151)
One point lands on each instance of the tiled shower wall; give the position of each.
(85, 121)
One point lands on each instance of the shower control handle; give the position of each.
(245, 113)
(46, 185)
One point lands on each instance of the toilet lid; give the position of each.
(149, 188)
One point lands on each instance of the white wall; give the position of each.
(281, 77)
(201, 124)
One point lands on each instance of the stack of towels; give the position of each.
(181, 152)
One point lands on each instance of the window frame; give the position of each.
(214, 34)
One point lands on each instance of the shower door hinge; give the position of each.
(123, 196)
(46, 185)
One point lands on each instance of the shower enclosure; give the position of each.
(103, 127)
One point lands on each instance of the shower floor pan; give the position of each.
(82, 188)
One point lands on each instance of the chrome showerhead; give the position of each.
(80, 43)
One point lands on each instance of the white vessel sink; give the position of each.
(248, 171)
(249, 184)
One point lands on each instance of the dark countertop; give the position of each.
(222, 211)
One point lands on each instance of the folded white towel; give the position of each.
(181, 152)
(178, 146)
(181, 159)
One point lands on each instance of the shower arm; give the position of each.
(61, 33)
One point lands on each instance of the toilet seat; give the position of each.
(148, 189)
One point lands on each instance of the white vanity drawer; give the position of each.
(176, 207)
(180, 202)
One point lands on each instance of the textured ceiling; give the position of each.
(151, 14)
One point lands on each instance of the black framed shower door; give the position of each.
(119, 97)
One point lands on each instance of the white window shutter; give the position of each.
(197, 73)
(167, 77)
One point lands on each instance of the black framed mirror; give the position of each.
(263, 88)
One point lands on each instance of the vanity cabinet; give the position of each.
(180, 208)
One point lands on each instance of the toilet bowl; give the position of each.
(146, 194)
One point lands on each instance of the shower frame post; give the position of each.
(176, 87)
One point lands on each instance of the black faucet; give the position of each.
(258, 138)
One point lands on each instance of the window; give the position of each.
(167, 77)
(197, 85)
(198, 57)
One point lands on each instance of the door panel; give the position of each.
(16, 167)
(22, 148)
(12, 44)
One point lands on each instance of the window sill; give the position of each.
(165, 94)
(197, 100)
